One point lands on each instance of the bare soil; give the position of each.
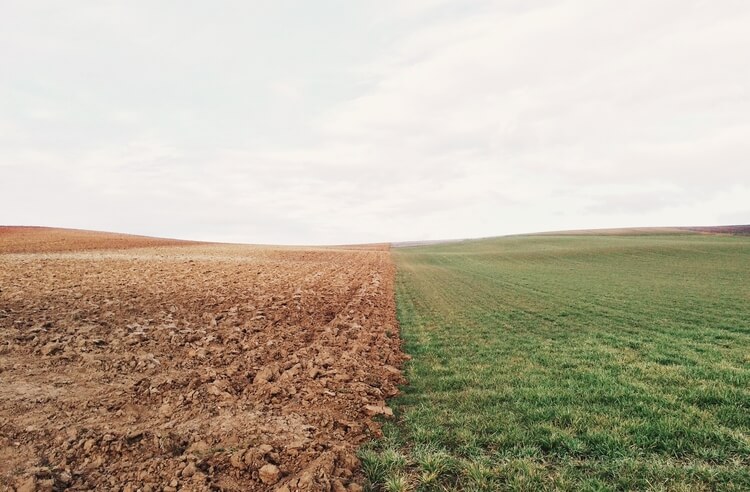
(736, 230)
(23, 239)
(192, 367)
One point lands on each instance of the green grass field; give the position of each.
(572, 363)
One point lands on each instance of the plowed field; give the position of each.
(192, 367)
(47, 239)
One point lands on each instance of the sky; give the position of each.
(330, 122)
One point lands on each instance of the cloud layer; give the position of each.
(339, 122)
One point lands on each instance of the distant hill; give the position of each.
(25, 239)
(650, 231)
(738, 230)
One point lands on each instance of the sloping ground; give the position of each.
(194, 368)
(737, 230)
(19, 239)
(622, 231)
(732, 230)
(572, 363)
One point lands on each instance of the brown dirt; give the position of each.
(21, 239)
(735, 230)
(645, 231)
(199, 367)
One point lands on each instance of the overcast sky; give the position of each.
(347, 121)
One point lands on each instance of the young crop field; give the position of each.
(572, 363)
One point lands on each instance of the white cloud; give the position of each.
(413, 120)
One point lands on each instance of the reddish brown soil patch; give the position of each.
(646, 231)
(15, 239)
(195, 368)
(737, 230)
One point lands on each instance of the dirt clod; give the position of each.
(27, 485)
(269, 474)
(372, 410)
(51, 349)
